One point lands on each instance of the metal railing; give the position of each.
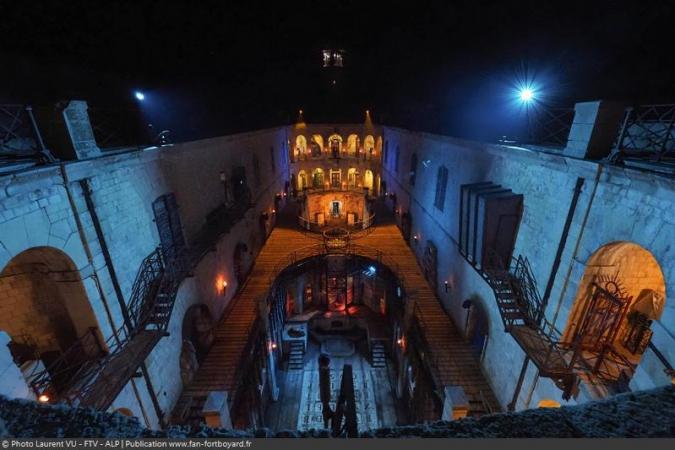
(308, 190)
(647, 130)
(551, 126)
(317, 227)
(77, 376)
(20, 137)
(326, 153)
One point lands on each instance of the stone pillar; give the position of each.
(594, 129)
(455, 404)
(68, 130)
(216, 410)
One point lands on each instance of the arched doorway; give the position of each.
(477, 326)
(316, 145)
(302, 180)
(300, 147)
(369, 146)
(240, 262)
(317, 178)
(368, 180)
(620, 294)
(335, 145)
(45, 310)
(352, 177)
(352, 145)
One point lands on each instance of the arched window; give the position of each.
(368, 180)
(300, 146)
(352, 145)
(397, 157)
(413, 169)
(335, 144)
(441, 186)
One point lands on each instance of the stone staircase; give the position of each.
(296, 358)
(377, 355)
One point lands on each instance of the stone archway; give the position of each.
(44, 308)
(621, 293)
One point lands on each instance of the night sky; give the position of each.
(214, 67)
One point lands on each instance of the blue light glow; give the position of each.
(526, 95)
(139, 96)
(371, 271)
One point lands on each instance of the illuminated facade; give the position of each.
(201, 281)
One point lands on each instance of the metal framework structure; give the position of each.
(20, 136)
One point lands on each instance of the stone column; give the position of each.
(594, 129)
(71, 135)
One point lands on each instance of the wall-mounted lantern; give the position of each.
(447, 285)
(415, 238)
(224, 287)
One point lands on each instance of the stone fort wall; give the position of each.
(616, 204)
(45, 208)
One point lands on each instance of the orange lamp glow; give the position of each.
(546, 403)
(43, 398)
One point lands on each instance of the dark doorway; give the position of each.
(240, 190)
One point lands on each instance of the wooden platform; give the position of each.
(457, 364)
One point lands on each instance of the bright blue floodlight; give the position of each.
(526, 95)
(139, 96)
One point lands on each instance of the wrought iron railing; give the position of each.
(647, 130)
(79, 377)
(551, 126)
(330, 188)
(326, 153)
(20, 137)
